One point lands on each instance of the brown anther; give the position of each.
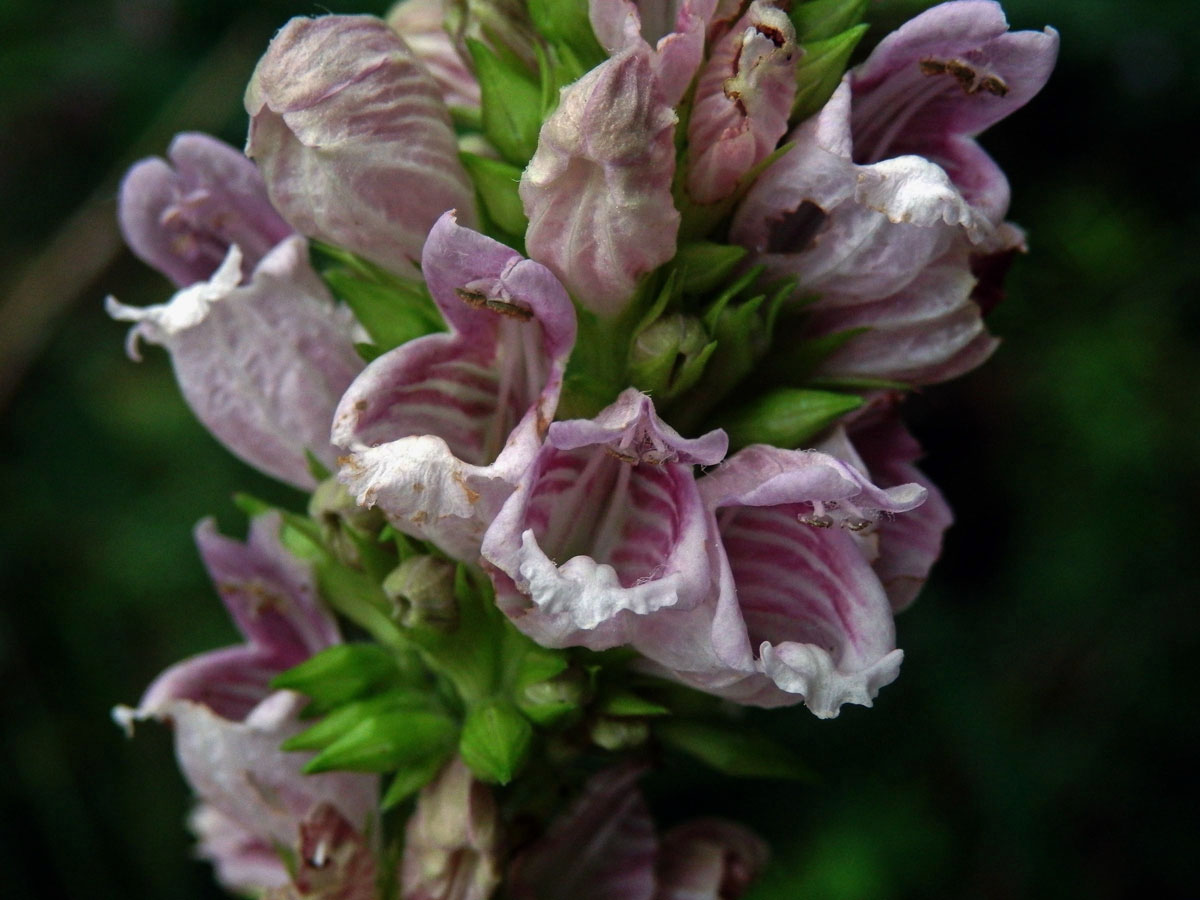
(482, 301)
(970, 79)
(857, 524)
(816, 521)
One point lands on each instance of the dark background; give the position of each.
(1041, 741)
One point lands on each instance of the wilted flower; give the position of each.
(354, 140)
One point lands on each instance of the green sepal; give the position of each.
(821, 68)
(616, 733)
(565, 25)
(339, 674)
(392, 309)
(512, 103)
(392, 314)
(704, 266)
(669, 357)
(388, 741)
(495, 741)
(546, 689)
(858, 383)
(316, 468)
(786, 417)
(733, 750)
(342, 719)
(412, 778)
(497, 183)
(818, 20)
(368, 353)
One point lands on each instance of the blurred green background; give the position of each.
(1042, 739)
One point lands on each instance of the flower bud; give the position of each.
(619, 733)
(422, 593)
(341, 520)
(669, 357)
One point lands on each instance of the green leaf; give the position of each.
(705, 265)
(786, 417)
(733, 750)
(818, 20)
(391, 740)
(495, 741)
(512, 104)
(412, 778)
(339, 674)
(821, 68)
(497, 184)
(316, 468)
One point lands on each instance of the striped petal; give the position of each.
(437, 431)
(421, 23)
(606, 526)
(353, 138)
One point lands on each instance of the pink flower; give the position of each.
(421, 23)
(229, 724)
(353, 139)
(438, 430)
(182, 216)
(262, 364)
(606, 528)
(885, 199)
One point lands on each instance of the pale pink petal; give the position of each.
(353, 139)
(909, 545)
(238, 769)
(421, 24)
(244, 862)
(742, 102)
(602, 848)
(182, 216)
(598, 190)
(438, 430)
(262, 364)
(333, 860)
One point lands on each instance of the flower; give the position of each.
(353, 139)
(886, 198)
(606, 526)
(228, 723)
(263, 363)
(438, 430)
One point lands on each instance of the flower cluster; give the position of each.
(586, 325)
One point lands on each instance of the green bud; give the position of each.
(821, 68)
(626, 704)
(512, 104)
(495, 741)
(566, 26)
(818, 20)
(497, 183)
(669, 357)
(343, 719)
(391, 740)
(421, 590)
(412, 778)
(503, 24)
(553, 700)
(618, 734)
(336, 513)
(786, 417)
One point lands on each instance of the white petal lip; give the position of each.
(261, 364)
